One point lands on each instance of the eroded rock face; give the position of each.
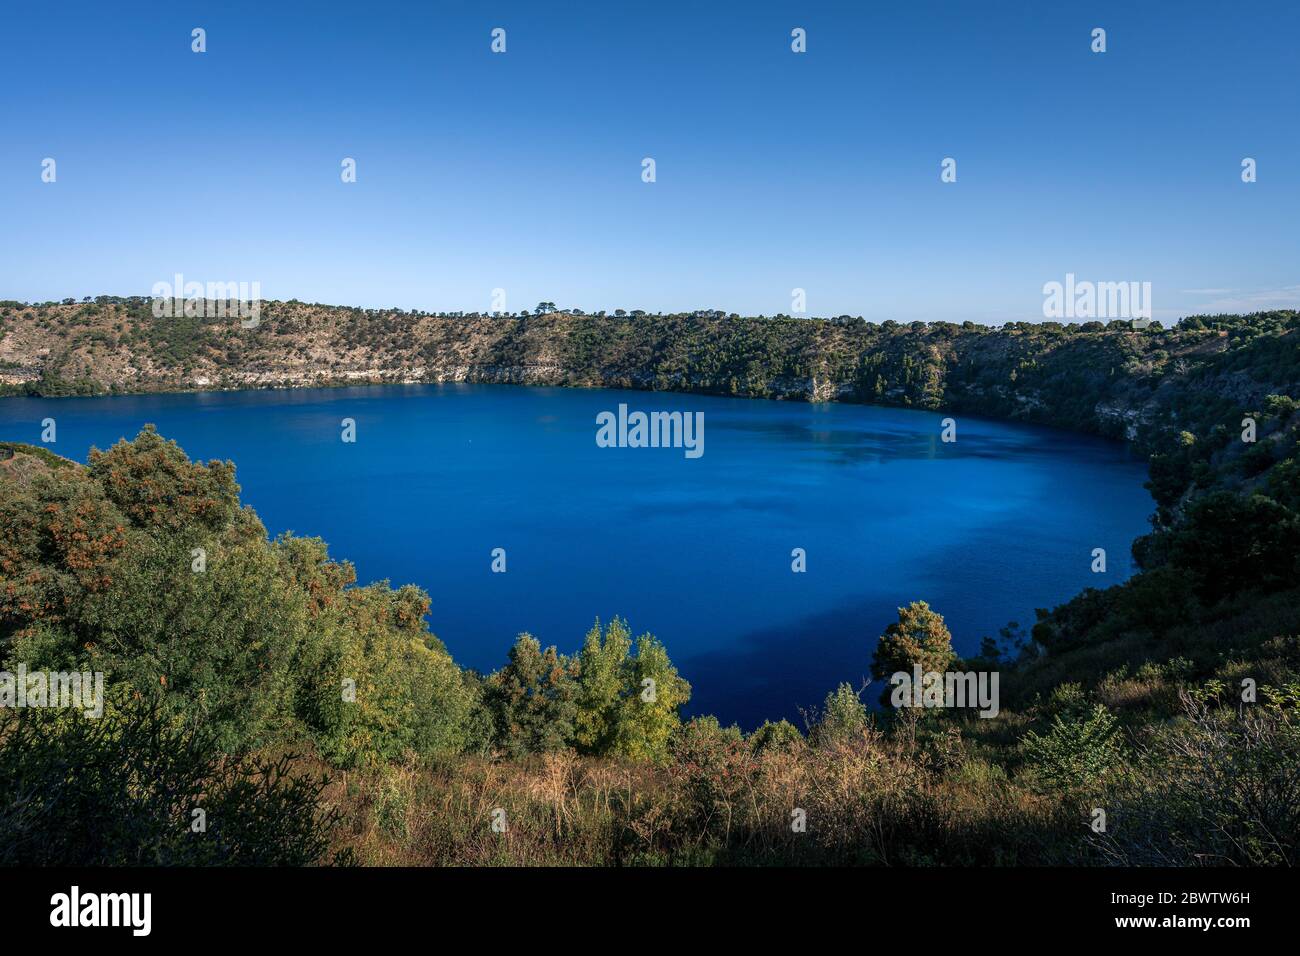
(1109, 380)
(1124, 419)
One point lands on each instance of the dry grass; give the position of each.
(866, 801)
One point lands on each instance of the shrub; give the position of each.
(843, 718)
(779, 736)
(533, 699)
(1077, 751)
(122, 790)
(1222, 789)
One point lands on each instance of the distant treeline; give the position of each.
(1106, 378)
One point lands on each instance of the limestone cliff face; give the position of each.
(1110, 380)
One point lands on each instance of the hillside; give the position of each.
(1108, 379)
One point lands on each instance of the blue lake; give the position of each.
(697, 551)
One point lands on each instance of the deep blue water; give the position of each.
(696, 551)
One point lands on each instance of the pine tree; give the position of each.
(918, 637)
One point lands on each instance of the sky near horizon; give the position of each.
(774, 170)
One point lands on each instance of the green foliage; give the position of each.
(155, 485)
(533, 699)
(1223, 789)
(780, 735)
(122, 790)
(99, 569)
(53, 384)
(701, 735)
(919, 636)
(1079, 747)
(144, 566)
(650, 707)
(843, 718)
(601, 685)
(9, 448)
(1284, 483)
(627, 704)
(1067, 701)
(1229, 543)
(711, 765)
(377, 686)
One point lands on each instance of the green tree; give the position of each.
(600, 684)
(919, 636)
(1222, 558)
(843, 717)
(627, 704)
(382, 687)
(533, 699)
(653, 695)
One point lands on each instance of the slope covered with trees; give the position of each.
(1106, 378)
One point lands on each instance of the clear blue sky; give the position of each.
(775, 170)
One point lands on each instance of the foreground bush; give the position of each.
(1221, 789)
(144, 566)
(134, 787)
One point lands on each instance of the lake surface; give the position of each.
(695, 550)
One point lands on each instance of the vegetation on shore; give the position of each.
(318, 720)
(1106, 378)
